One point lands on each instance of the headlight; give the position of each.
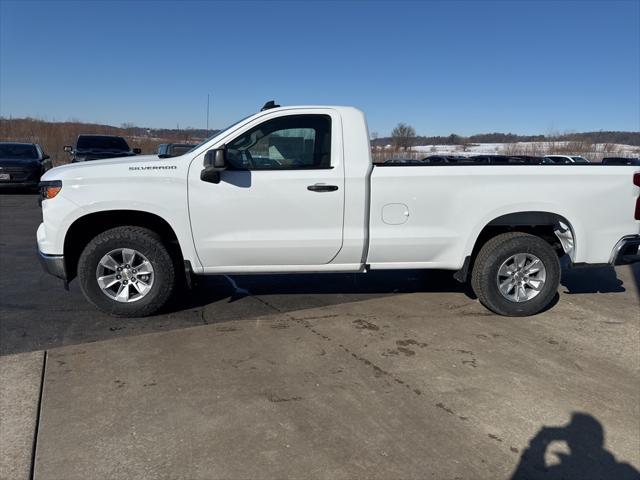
(49, 189)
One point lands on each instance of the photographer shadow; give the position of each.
(587, 460)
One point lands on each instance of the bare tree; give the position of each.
(403, 135)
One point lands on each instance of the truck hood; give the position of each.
(84, 169)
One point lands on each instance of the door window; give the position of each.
(293, 142)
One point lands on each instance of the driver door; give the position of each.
(280, 202)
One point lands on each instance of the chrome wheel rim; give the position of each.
(521, 277)
(125, 275)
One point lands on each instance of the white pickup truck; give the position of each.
(293, 189)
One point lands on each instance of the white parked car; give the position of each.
(293, 189)
(564, 159)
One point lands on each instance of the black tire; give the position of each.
(492, 255)
(147, 243)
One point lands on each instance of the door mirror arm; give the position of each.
(214, 162)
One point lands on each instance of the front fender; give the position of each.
(156, 188)
(176, 216)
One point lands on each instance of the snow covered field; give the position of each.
(542, 147)
(594, 152)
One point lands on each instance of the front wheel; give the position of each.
(516, 274)
(127, 272)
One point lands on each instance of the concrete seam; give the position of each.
(38, 414)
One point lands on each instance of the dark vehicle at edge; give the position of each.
(98, 147)
(620, 161)
(403, 161)
(482, 160)
(22, 165)
(168, 150)
(507, 159)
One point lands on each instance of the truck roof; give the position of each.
(295, 107)
(271, 105)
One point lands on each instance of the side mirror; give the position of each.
(45, 157)
(214, 162)
(215, 159)
(68, 148)
(137, 151)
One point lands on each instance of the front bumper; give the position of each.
(626, 251)
(53, 264)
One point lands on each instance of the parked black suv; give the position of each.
(96, 147)
(22, 164)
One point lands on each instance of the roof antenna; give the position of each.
(268, 105)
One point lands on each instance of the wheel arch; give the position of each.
(86, 227)
(552, 227)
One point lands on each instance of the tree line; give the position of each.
(53, 136)
(404, 136)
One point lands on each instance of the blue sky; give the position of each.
(461, 67)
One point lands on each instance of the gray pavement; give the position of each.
(420, 386)
(20, 381)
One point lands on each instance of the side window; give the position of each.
(286, 143)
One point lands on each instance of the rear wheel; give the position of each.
(516, 274)
(127, 272)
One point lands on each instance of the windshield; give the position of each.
(99, 142)
(16, 151)
(220, 132)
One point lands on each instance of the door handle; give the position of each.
(321, 187)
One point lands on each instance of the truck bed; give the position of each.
(430, 217)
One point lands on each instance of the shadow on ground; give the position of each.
(598, 279)
(587, 459)
(209, 290)
(592, 280)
